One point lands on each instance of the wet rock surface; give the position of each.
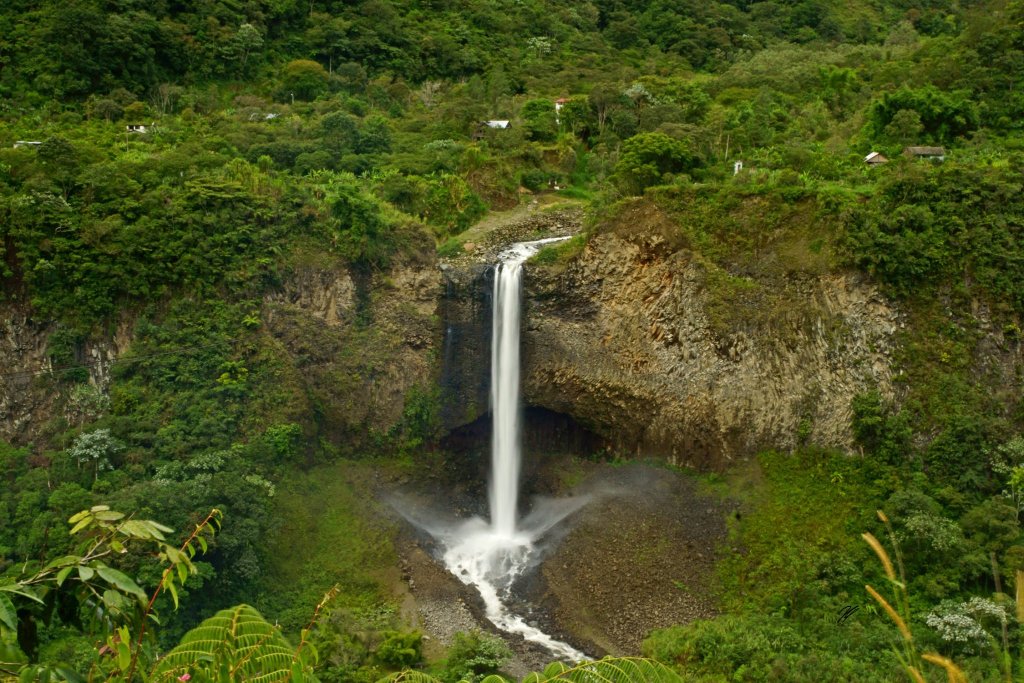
(465, 307)
(641, 556)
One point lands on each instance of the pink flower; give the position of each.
(184, 677)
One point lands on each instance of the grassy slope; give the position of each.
(328, 534)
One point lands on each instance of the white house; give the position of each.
(559, 103)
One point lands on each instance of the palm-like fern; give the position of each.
(236, 644)
(411, 676)
(607, 670)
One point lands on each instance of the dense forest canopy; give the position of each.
(280, 134)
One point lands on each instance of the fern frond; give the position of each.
(611, 670)
(238, 640)
(409, 676)
(607, 670)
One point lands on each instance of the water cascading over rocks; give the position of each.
(490, 556)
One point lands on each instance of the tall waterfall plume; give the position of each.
(490, 556)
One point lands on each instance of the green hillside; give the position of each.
(168, 168)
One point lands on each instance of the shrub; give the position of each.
(753, 647)
(399, 649)
(473, 656)
(880, 430)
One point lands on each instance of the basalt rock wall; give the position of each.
(465, 310)
(621, 339)
(31, 395)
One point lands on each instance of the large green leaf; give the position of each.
(8, 615)
(238, 640)
(65, 561)
(142, 528)
(120, 581)
(18, 589)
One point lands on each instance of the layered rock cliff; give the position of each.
(30, 394)
(628, 338)
(359, 341)
(621, 340)
(631, 337)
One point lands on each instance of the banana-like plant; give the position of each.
(607, 670)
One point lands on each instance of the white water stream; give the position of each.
(491, 556)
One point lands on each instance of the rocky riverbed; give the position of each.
(639, 556)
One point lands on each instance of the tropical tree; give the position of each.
(86, 591)
(649, 159)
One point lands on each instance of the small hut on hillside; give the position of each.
(932, 153)
(875, 158)
(484, 126)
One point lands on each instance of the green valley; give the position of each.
(766, 397)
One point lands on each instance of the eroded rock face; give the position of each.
(465, 310)
(627, 338)
(23, 360)
(354, 343)
(622, 341)
(325, 293)
(29, 392)
(359, 341)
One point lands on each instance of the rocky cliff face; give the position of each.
(465, 308)
(629, 338)
(353, 343)
(621, 339)
(359, 341)
(30, 396)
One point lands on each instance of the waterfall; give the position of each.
(505, 444)
(491, 556)
(505, 441)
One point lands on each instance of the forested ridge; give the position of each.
(165, 167)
